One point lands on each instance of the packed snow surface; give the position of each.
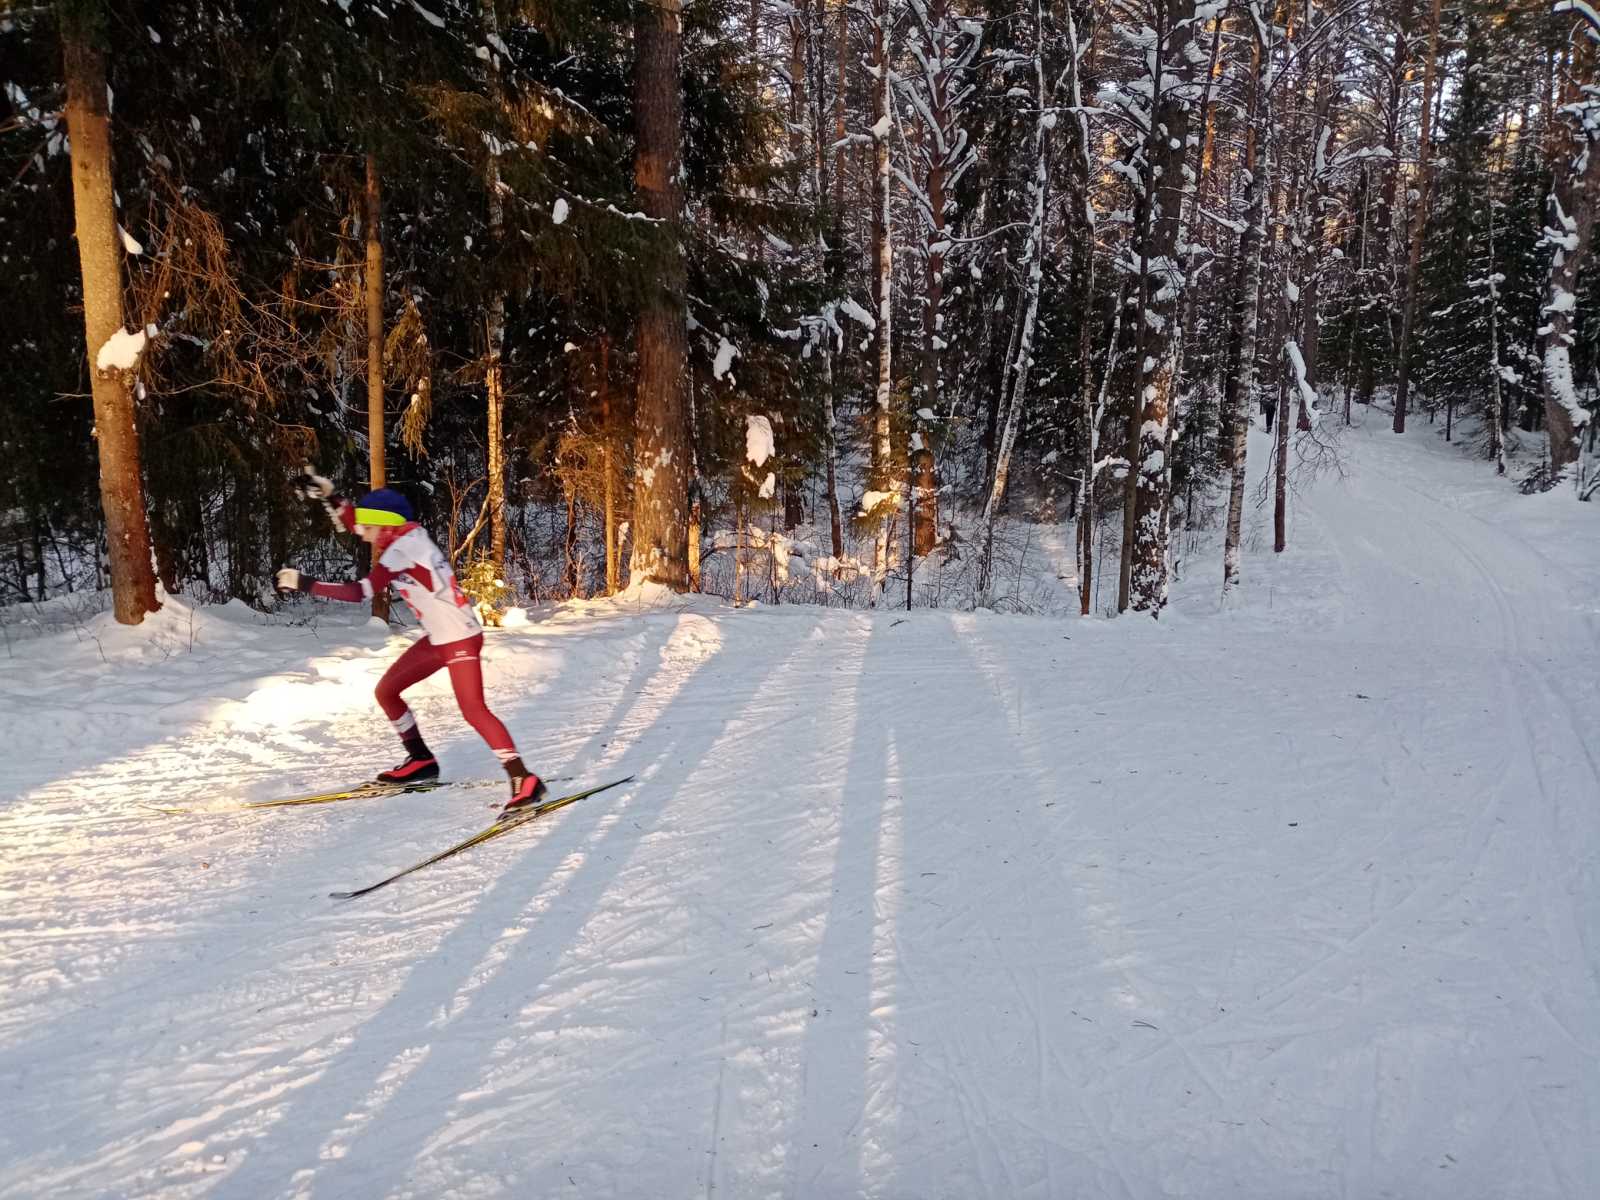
(1299, 898)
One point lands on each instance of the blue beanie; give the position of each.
(384, 507)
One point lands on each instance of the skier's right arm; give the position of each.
(291, 580)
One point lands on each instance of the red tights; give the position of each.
(422, 659)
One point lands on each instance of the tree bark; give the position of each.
(882, 288)
(1166, 150)
(662, 451)
(1419, 224)
(1241, 385)
(116, 431)
(815, 31)
(372, 227)
(1497, 443)
(1383, 217)
(495, 335)
(608, 465)
(1569, 228)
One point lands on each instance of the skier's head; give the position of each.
(381, 512)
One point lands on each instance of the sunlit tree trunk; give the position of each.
(662, 450)
(495, 335)
(372, 227)
(882, 286)
(133, 580)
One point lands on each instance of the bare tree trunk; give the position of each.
(495, 333)
(569, 572)
(1014, 385)
(1419, 224)
(815, 30)
(1383, 219)
(1166, 149)
(694, 545)
(1570, 228)
(372, 227)
(1094, 415)
(608, 464)
(1497, 437)
(122, 500)
(840, 127)
(662, 449)
(1280, 475)
(882, 286)
(1083, 176)
(1241, 387)
(941, 62)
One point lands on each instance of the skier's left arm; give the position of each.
(311, 486)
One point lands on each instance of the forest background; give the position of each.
(791, 299)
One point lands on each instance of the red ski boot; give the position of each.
(527, 791)
(417, 768)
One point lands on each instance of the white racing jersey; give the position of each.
(420, 572)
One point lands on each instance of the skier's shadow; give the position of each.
(876, 937)
(825, 1152)
(367, 1164)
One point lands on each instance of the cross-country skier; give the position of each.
(452, 637)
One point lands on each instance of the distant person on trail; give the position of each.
(452, 637)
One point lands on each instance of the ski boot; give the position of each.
(527, 791)
(417, 768)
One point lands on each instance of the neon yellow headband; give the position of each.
(377, 516)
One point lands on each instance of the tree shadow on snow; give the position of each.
(439, 1089)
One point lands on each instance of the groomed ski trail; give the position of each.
(1296, 899)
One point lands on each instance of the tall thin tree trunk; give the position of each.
(882, 286)
(1570, 219)
(816, 30)
(840, 126)
(1383, 218)
(1280, 471)
(122, 498)
(372, 227)
(608, 464)
(1241, 387)
(495, 333)
(1019, 362)
(1419, 223)
(569, 551)
(1083, 176)
(662, 449)
(1165, 150)
(1497, 437)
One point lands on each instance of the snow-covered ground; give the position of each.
(1296, 899)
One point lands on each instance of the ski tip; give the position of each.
(341, 895)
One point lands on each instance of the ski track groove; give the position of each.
(660, 954)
